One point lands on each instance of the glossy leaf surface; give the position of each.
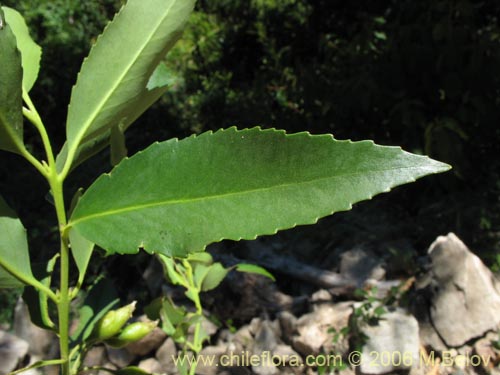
(112, 85)
(252, 268)
(14, 256)
(176, 197)
(11, 103)
(31, 52)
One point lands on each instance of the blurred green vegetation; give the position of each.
(424, 75)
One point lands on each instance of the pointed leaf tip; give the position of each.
(176, 197)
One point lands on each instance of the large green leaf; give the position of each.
(176, 197)
(11, 103)
(98, 143)
(30, 51)
(112, 87)
(14, 256)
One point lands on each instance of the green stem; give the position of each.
(56, 185)
(39, 364)
(32, 115)
(64, 293)
(33, 161)
(30, 281)
(56, 181)
(196, 344)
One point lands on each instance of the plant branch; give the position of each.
(38, 364)
(32, 115)
(30, 281)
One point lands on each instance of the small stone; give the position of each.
(95, 356)
(254, 325)
(166, 354)
(151, 365)
(485, 350)
(266, 338)
(288, 323)
(321, 296)
(107, 365)
(465, 300)
(243, 336)
(32, 359)
(396, 333)
(40, 341)
(287, 355)
(12, 351)
(310, 339)
(209, 359)
(120, 357)
(313, 336)
(360, 265)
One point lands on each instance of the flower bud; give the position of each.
(111, 323)
(131, 333)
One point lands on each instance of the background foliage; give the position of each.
(421, 74)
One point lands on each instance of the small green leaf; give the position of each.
(14, 255)
(37, 301)
(170, 271)
(235, 185)
(100, 299)
(380, 35)
(252, 268)
(81, 249)
(31, 52)
(214, 277)
(171, 316)
(200, 272)
(379, 311)
(11, 102)
(192, 294)
(112, 85)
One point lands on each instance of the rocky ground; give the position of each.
(443, 321)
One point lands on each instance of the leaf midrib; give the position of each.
(110, 92)
(229, 194)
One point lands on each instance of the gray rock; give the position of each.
(288, 323)
(466, 295)
(166, 354)
(487, 352)
(243, 336)
(12, 351)
(96, 356)
(254, 325)
(212, 355)
(313, 336)
(266, 340)
(120, 357)
(388, 342)
(321, 296)
(287, 355)
(151, 365)
(41, 342)
(360, 265)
